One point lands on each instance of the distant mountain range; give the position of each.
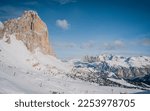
(99, 69)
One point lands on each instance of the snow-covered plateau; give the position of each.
(22, 71)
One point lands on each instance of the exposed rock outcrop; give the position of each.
(30, 29)
(1, 29)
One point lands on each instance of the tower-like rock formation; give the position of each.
(31, 30)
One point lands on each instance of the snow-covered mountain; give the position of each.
(17, 55)
(28, 64)
(30, 29)
(123, 67)
(108, 69)
(24, 44)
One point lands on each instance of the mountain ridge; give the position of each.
(31, 30)
(122, 67)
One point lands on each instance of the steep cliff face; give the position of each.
(31, 30)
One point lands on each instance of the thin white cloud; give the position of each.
(70, 45)
(63, 24)
(145, 42)
(117, 44)
(88, 45)
(63, 2)
(65, 45)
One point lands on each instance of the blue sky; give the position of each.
(90, 27)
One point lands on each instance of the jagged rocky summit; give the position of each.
(30, 29)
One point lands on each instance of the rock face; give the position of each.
(1, 29)
(30, 29)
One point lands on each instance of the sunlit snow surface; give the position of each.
(13, 80)
(25, 72)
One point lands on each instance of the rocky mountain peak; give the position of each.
(31, 30)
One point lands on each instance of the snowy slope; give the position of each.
(16, 54)
(121, 81)
(13, 80)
